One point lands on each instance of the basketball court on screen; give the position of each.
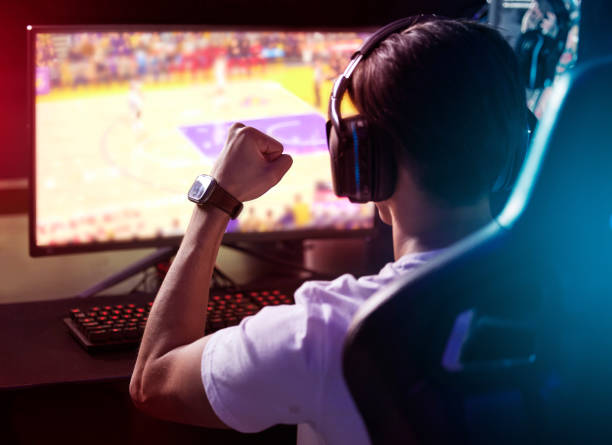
(132, 153)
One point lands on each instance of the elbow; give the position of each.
(139, 392)
(146, 391)
(136, 390)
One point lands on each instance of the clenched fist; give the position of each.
(251, 163)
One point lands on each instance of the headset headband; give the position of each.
(355, 146)
(341, 83)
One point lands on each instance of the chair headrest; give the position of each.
(562, 203)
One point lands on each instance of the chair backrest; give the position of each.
(503, 336)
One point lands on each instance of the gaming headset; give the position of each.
(538, 53)
(361, 170)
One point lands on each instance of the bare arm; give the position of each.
(167, 380)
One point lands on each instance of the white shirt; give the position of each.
(283, 365)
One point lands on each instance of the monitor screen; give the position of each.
(123, 120)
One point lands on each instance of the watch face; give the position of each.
(201, 189)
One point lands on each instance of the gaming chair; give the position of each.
(506, 337)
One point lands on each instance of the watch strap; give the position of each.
(225, 201)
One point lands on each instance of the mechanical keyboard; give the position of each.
(119, 326)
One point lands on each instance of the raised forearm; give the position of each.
(166, 381)
(178, 315)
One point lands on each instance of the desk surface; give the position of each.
(37, 349)
(37, 352)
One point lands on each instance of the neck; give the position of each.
(432, 228)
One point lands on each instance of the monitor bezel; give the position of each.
(229, 237)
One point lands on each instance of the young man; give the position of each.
(445, 97)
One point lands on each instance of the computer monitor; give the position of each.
(124, 118)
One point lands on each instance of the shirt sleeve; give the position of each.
(267, 370)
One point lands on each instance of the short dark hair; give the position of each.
(450, 93)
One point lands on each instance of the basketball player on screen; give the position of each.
(135, 102)
(446, 147)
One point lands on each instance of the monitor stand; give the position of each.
(160, 255)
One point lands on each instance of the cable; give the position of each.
(218, 272)
(153, 282)
(271, 259)
(144, 284)
(137, 285)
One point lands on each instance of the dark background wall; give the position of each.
(16, 14)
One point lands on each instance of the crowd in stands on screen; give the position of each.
(324, 212)
(70, 60)
(301, 211)
(292, 216)
(120, 224)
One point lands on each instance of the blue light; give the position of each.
(535, 155)
(356, 147)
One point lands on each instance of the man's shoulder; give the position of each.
(341, 298)
(348, 285)
(343, 294)
(323, 310)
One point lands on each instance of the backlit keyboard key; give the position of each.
(112, 326)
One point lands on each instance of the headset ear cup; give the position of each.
(505, 182)
(384, 165)
(553, 55)
(528, 50)
(538, 57)
(363, 162)
(359, 162)
(338, 159)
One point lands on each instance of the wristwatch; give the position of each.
(205, 190)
